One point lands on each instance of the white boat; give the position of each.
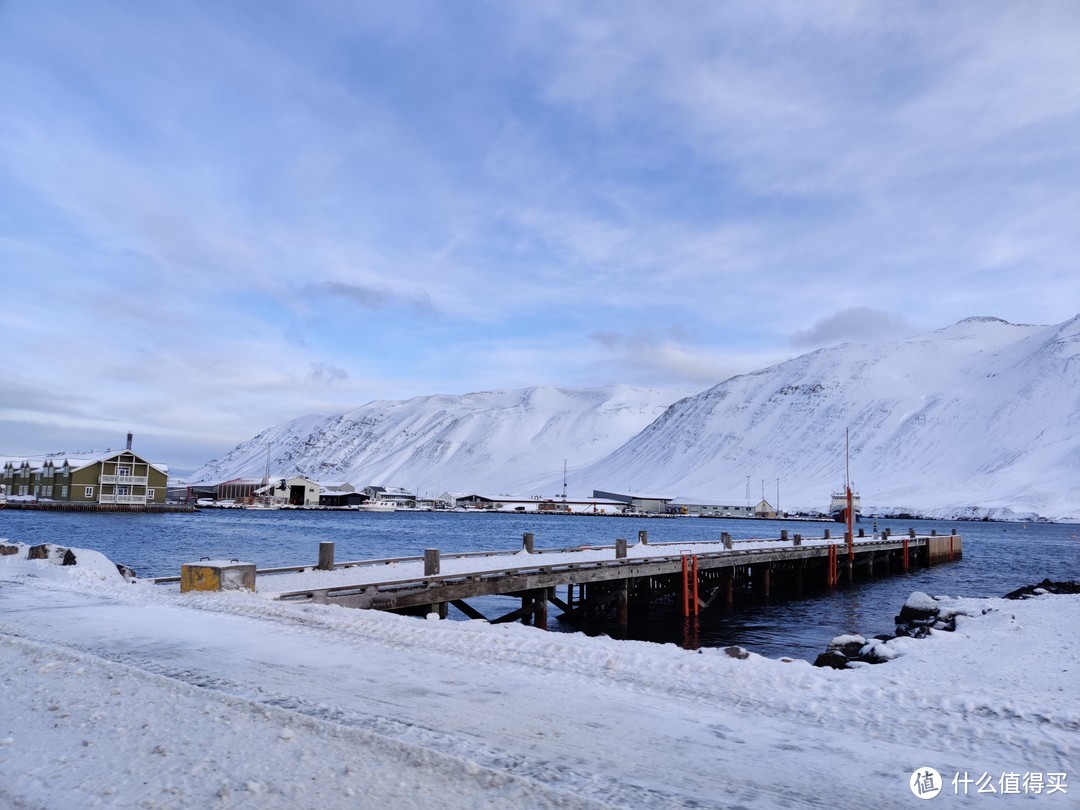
(377, 506)
(838, 506)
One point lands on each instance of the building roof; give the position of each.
(695, 501)
(78, 460)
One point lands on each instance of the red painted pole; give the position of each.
(685, 590)
(693, 560)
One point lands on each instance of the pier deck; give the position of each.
(604, 577)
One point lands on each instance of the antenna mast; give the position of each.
(564, 480)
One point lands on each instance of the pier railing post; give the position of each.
(527, 542)
(620, 548)
(431, 562)
(726, 538)
(643, 537)
(326, 556)
(783, 535)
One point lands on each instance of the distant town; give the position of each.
(123, 480)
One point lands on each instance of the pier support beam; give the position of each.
(622, 606)
(431, 568)
(540, 608)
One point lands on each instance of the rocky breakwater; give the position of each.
(920, 616)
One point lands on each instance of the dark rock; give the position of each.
(40, 552)
(1046, 586)
(916, 631)
(849, 649)
(69, 557)
(737, 652)
(832, 658)
(6, 549)
(125, 572)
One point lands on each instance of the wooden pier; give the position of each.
(585, 581)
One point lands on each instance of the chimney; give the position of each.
(129, 442)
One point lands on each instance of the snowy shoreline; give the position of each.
(119, 694)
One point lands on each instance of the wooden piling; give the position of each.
(540, 615)
(622, 606)
(527, 542)
(326, 556)
(431, 562)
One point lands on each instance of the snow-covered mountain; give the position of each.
(982, 414)
(494, 441)
(981, 418)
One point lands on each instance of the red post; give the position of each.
(693, 561)
(685, 590)
(905, 554)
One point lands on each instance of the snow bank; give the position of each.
(141, 696)
(57, 563)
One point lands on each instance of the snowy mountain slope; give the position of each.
(979, 418)
(983, 413)
(494, 441)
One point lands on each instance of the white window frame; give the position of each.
(150, 494)
(88, 492)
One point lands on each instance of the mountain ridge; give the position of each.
(980, 418)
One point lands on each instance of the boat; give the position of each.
(838, 506)
(377, 506)
(845, 498)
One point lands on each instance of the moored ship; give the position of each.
(838, 507)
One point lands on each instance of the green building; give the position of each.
(112, 477)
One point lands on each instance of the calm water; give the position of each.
(998, 558)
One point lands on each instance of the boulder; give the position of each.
(1044, 587)
(848, 645)
(832, 658)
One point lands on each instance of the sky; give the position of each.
(218, 217)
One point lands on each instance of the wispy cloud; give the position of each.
(368, 296)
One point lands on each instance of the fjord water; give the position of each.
(998, 558)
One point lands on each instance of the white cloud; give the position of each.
(861, 324)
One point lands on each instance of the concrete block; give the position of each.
(217, 575)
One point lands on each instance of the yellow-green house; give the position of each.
(112, 477)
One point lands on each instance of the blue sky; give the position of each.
(218, 216)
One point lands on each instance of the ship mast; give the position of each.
(847, 491)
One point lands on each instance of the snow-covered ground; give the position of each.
(117, 694)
